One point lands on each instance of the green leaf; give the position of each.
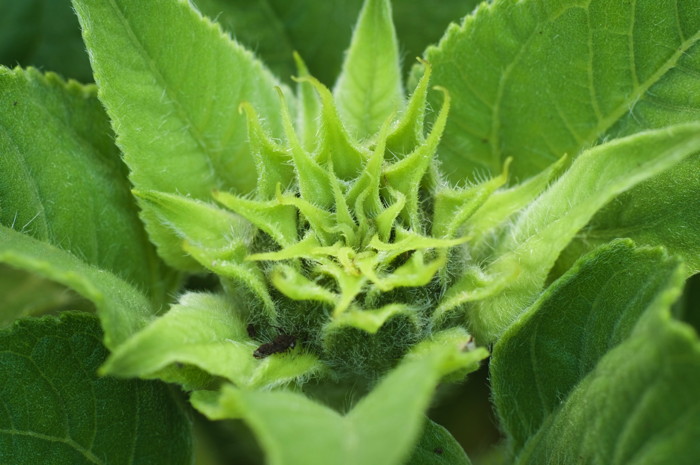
(369, 89)
(379, 429)
(174, 108)
(275, 28)
(43, 33)
(206, 331)
(563, 336)
(534, 80)
(658, 211)
(530, 248)
(56, 410)
(195, 222)
(122, 309)
(597, 371)
(65, 183)
(639, 406)
(437, 447)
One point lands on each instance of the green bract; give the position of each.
(315, 260)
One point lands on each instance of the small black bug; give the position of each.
(438, 450)
(282, 343)
(251, 331)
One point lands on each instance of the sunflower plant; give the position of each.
(309, 251)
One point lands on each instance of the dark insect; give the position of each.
(438, 450)
(282, 343)
(14, 104)
(251, 331)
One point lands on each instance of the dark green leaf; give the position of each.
(57, 411)
(597, 372)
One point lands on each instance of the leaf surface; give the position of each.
(597, 371)
(535, 79)
(664, 210)
(56, 410)
(63, 181)
(379, 429)
(369, 88)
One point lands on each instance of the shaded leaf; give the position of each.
(122, 309)
(70, 416)
(618, 384)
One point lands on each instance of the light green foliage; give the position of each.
(45, 34)
(369, 89)
(650, 218)
(619, 390)
(379, 429)
(205, 331)
(539, 79)
(56, 410)
(65, 184)
(173, 107)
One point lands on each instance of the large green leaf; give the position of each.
(536, 79)
(43, 33)
(55, 410)
(597, 371)
(529, 248)
(122, 309)
(379, 429)
(320, 30)
(597, 302)
(63, 181)
(173, 97)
